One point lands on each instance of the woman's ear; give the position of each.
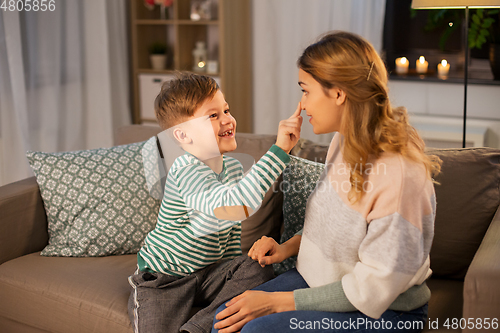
(181, 136)
(339, 96)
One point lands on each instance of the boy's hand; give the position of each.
(266, 251)
(289, 131)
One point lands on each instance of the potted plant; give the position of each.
(158, 55)
(484, 28)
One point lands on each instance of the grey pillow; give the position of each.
(299, 180)
(467, 199)
(97, 201)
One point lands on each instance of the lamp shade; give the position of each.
(434, 4)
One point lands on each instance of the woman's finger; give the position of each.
(297, 111)
(236, 327)
(235, 300)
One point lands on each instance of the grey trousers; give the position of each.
(163, 303)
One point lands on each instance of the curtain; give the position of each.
(64, 82)
(282, 29)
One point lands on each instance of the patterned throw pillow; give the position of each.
(299, 180)
(97, 201)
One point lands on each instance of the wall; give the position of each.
(441, 104)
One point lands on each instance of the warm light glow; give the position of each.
(421, 59)
(201, 64)
(450, 24)
(402, 65)
(443, 69)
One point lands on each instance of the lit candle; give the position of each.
(443, 68)
(422, 65)
(402, 65)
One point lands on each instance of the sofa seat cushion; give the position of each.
(446, 303)
(60, 294)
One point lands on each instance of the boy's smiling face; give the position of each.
(216, 110)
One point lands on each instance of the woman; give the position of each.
(364, 248)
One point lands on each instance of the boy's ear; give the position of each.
(181, 136)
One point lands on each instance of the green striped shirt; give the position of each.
(188, 236)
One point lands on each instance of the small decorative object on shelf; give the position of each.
(443, 69)
(422, 65)
(164, 4)
(402, 65)
(200, 57)
(212, 66)
(158, 55)
(201, 10)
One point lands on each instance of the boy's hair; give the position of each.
(180, 97)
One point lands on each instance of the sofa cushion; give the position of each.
(97, 202)
(467, 199)
(310, 150)
(299, 180)
(67, 294)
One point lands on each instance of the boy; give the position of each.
(193, 256)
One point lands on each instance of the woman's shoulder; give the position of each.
(399, 165)
(401, 186)
(399, 176)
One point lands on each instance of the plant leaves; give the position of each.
(476, 19)
(488, 22)
(480, 13)
(480, 41)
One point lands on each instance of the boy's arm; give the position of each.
(233, 213)
(203, 192)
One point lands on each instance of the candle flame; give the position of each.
(404, 60)
(444, 62)
(421, 59)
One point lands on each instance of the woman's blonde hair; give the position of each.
(370, 124)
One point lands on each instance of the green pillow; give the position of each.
(97, 201)
(299, 180)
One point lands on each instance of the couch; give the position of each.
(68, 294)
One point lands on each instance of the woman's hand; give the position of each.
(250, 305)
(289, 131)
(267, 251)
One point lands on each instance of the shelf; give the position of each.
(173, 22)
(227, 36)
(201, 22)
(154, 22)
(169, 71)
(154, 71)
(436, 79)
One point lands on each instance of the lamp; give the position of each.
(457, 4)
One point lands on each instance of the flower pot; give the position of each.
(495, 60)
(158, 61)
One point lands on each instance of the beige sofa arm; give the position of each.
(23, 222)
(482, 286)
